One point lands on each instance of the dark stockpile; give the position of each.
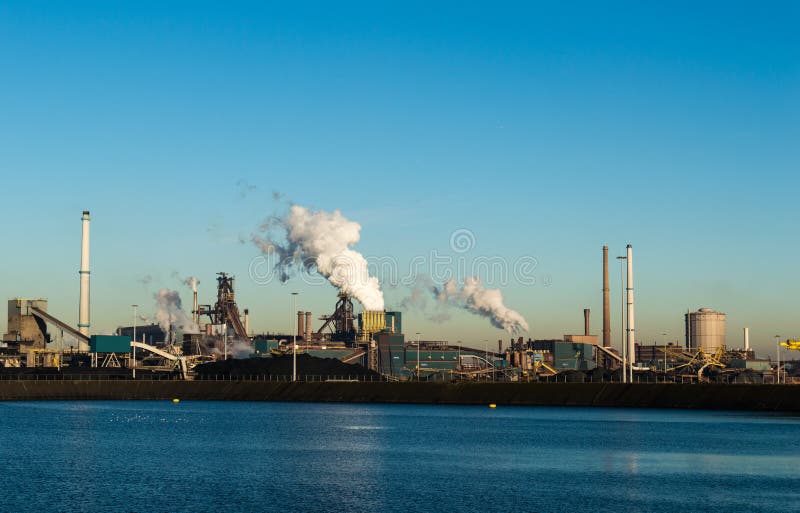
(324, 368)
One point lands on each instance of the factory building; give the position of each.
(25, 330)
(705, 329)
(150, 334)
(565, 355)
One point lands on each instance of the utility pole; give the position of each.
(133, 362)
(419, 367)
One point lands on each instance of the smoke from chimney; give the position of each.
(323, 241)
(488, 303)
(170, 314)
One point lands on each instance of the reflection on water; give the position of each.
(158, 456)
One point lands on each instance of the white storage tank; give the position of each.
(705, 329)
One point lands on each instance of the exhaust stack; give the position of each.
(631, 324)
(300, 324)
(246, 318)
(308, 328)
(606, 302)
(195, 316)
(747, 339)
(83, 304)
(586, 327)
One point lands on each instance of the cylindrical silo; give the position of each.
(705, 329)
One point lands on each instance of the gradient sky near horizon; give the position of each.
(545, 129)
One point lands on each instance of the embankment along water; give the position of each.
(778, 398)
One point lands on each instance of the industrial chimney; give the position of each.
(246, 318)
(747, 339)
(606, 302)
(586, 327)
(300, 324)
(83, 304)
(195, 315)
(308, 327)
(631, 324)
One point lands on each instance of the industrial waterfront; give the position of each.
(215, 341)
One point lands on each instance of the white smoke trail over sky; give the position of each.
(475, 298)
(169, 312)
(192, 283)
(323, 241)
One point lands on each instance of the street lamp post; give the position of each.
(486, 353)
(294, 338)
(133, 363)
(419, 367)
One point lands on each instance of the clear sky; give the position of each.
(545, 129)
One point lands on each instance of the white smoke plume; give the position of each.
(474, 297)
(323, 241)
(170, 312)
(192, 283)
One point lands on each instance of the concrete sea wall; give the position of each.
(784, 398)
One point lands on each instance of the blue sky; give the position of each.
(546, 130)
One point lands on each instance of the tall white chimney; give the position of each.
(631, 324)
(747, 339)
(83, 305)
(195, 317)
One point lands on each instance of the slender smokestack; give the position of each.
(747, 339)
(606, 302)
(300, 324)
(631, 324)
(308, 327)
(195, 317)
(83, 305)
(246, 318)
(586, 327)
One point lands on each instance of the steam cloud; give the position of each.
(474, 297)
(170, 312)
(192, 283)
(323, 241)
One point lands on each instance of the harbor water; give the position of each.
(241, 456)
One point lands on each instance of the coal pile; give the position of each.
(281, 367)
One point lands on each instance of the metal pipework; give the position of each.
(83, 303)
(606, 301)
(586, 326)
(631, 323)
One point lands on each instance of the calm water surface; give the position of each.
(206, 456)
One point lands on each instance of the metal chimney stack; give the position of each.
(586, 326)
(747, 339)
(246, 317)
(631, 324)
(195, 316)
(300, 324)
(308, 327)
(606, 302)
(83, 304)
